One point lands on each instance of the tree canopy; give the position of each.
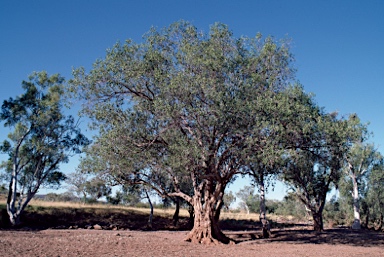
(42, 138)
(182, 105)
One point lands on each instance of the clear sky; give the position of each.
(338, 45)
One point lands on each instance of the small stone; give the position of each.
(97, 227)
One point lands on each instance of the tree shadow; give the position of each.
(337, 236)
(241, 231)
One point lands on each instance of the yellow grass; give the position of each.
(166, 212)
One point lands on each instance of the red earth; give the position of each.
(284, 242)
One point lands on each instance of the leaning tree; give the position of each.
(42, 138)
(178, 107)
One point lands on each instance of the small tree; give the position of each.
(76, 182)
(97, 188)
(374, 196)
(315, 156)
(228, 199)
(250, 202)
(360, 161)
(41, 139)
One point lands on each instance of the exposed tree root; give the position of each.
(203, 236)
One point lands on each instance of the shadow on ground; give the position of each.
(242, 231)
(298, 235)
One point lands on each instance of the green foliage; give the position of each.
(181, 107)
(291, 206)
(250, 201)
(228, 199)
(97, 188)
(41, 139)
(338, 212)
(88, 187)
(319, 149)
(64, 197)
(3, 189)
(374, 197)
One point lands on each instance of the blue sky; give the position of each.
(338, 45)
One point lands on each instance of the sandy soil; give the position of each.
(290, 242)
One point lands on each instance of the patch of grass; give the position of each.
(42, 215)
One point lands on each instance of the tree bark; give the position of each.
(191, 216)
(206, 228)
(218, 211)
(15, 213)
(175, 217)
(318, 224)
(265, 231)
(356, 205)
(367, 218)
(381, 221)
(151, 212)
(12, 197)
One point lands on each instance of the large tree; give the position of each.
(179, 107)
(42, 139)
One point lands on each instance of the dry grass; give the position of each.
(44, 214)
(163, 212)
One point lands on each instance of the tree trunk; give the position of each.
(218, 211)
(175, 217)
(381, 220)
(356, 205)
(265, 232)
(318, 224)
(14, 212)
(367, 218)
(191, 216)
(151, 212)
(14, 218)
(11, 200)
(206, 229)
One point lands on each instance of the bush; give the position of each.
(338, 212)
(291, 206)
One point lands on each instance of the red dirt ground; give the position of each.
(285, 242)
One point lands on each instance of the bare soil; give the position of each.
(85, 242)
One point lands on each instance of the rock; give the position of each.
(97, 227)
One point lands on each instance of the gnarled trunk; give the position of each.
(206, 228)
(318, 224)
(218, 211)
